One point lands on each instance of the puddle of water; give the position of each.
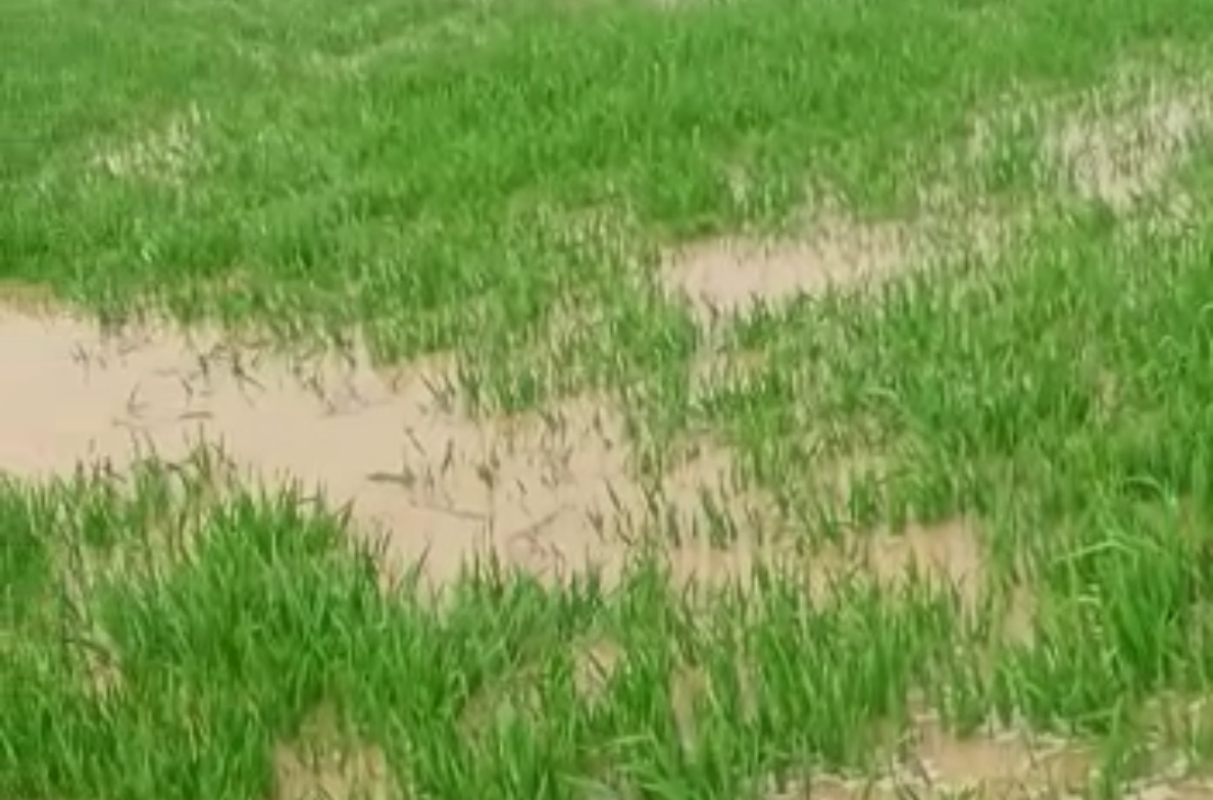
(549, 491)
(946, 555)
(727, 277)
(545, 491)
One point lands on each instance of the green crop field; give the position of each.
(606, 399)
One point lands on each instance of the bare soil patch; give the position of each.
(1119, 150)
(323, 764)
(1000, 763)
(164, 155)
(993, 764)
(1117, 145)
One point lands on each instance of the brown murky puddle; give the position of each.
(549, 491)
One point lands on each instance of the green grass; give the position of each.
(265, 615)
(392, 194)
(420, 174)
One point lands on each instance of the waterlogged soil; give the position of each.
(927, 762)
(728, 277)
(321, 763)
(551, 492)
(1118, 149)
(548, 492)
(1115, 147)
(556, 490)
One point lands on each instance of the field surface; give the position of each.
(606, 399)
